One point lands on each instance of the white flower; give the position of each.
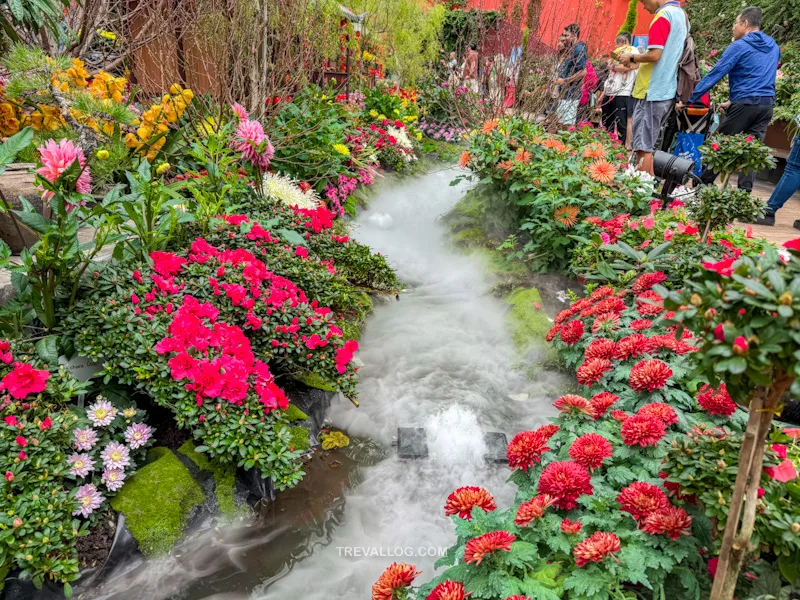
(286, 190)
(401, 136)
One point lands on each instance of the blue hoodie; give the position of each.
(751, 65)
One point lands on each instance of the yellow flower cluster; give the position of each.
(156, 119)
(9, 123)
(342, 149)
(107, 87)
(75, 77)
(367, 56)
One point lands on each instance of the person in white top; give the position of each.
(617, 102)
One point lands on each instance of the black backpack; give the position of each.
(688, 68)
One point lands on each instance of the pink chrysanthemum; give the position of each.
(240, 112)
(477, 548)
(572, 332)
(716, 402)
(601, 348)
(527, 447)
(595, 548)
(572, 404)
(532, 509)
(461, 501)
(593, 371)
(649, 376)
(397, 576)
(641, 324)
(565, 481)
(661, 411)
(643, 430)
(600, 403)
(254, 144)
(641, 499)
(590, 450)
(57, 158)
(671, 521)
(620, 416)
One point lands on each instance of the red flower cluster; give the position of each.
(565, 481)
(477, 548)
(646, 281)
(613, 227)
(670, 521)
(23, 380)
(649, 303)
(593, 370)
(5, 352)
(572, 332)
(600, 403)
(601, 348)
(643, 430)
(527, 447)
(634, 345)
(716, 402)
(661, 411)
(595, 548)
(532, 509)
(641, 499)
(641, 324)
(461, 501)
(590, 450)
(649, 376)
(397, 576)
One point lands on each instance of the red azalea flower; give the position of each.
(646, 281)
(600, 403)
(660, 410)
(645, 303)
(572, 404)
(477, 548)
(671, 521)
(24, 380)
(11, 421)
(641, 499)
(9, 476)
(572, 332)
(397, 576)
(590, 450)
(527, 447)
(167, 264)
(46, 424)
(608, 321)
(601, 348)
(593, 371)
(565, 481)
(641, 324)
(21, 441)
(571, 527)
(461, 501)
(532, 509)
(649, 375)
(740, 345)
(716, 402)
(634, 345)
(724, 267)
(448, 590)
(643, 430)
(792, 244)
(784, 472)
(595, 548)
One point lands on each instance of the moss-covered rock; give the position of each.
(157, 502)
(351, 330)
(528, 323)
(224, 477)
(471, 237)
(299, 437)
(293, 413)
(509, 271)
(315, 381)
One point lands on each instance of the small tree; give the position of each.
(745, 310)
(630, 17)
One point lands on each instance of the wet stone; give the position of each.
(412, 442)
(496, 446)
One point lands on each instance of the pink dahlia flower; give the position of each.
(254, 144)
(57, 158)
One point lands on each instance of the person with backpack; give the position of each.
(751, 64)
(656, 85)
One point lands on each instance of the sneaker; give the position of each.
(768, 220)
(796, 224)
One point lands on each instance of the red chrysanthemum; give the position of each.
(572, 332)
(601, 292)
(641, 324)
(613, 305)
(641, 499)
(596, 547)
(645, 306)
(671, 521)
(601, 348)
(647, 280)
(590, 450)
(593, 370)
(527, 447)
(600, 403)
(634, 345)
(397, 576)
(565, 481)
(620, 415)
(571, 527)
(661, 411)
(649, 376)
(716, 402)
(532, 509)
(643, 430)
(607, 321)
(572, 404)
(461, 501)
(477, 548)
(551, 335)
(448, 590)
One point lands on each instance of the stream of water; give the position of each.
(441, 359)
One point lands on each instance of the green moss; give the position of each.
(471, 237)
(157, 502)
(351, 330)
(315, 381)
(498, 265)
(299, 438)
(528, 324)
(224, 477)
(294, 414)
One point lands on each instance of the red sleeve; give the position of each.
(659, 32)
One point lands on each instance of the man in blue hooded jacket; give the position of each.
(751, 64)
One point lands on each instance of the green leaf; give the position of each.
(14, 145)
(35, 221)
(755, 286)
(790, 567)
(201, 448)
(47, 349)
(67, 589)
(292, 237)
(737, 365)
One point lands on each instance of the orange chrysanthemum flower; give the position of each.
(397, 576)
(571, 527)
(566, 215)
(506, 165)
(461, 501)
(463, 160)
(523, 156)
(533, 509)
(596, 548)
(606, 321)
(477, 548)
(489, 126)
(554, 144)
(594, 151)
(448, 590)
(602, 171)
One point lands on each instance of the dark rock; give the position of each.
(412, 442)
(18, 181)
(496, 447)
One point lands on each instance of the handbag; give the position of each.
(687, 145)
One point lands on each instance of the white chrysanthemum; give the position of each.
(647, 183)
(286, 190)
(401, 136)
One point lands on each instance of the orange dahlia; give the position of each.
(594, 151)
(647, 280)
(593, 370)
(649, 376)
(601, 348)
(716, 402)
(397, 576)
(590, 450)
(602, 171)
(671, 521)
(643, 430)
(600, 403)
(572, 404)
(649, 303)
(463, 160)
(571, 527)
(506, 165)
(572, 332)
(489, 126)
(461, 501)
(565, 481)
(566, 215)
(595, 548)
(661, 411)
(523, 156)
(448, 590)
(641, 499)
(532, 509)
(527, 447)
(477, 548)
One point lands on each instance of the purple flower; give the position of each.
(88, 499)
(101, 413)
(113, 479)
(137, 435)
(85, 439)
(116, 456)
(80, 464)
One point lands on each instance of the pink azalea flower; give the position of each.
(57, 158)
